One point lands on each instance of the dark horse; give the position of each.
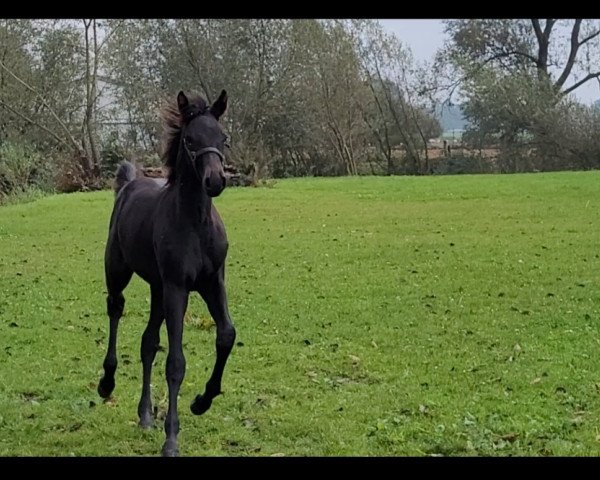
(172, 236)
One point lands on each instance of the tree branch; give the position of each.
(589, 37)
(192, 60)
(33, 122)
(508, 54)
(548, 28)
(387, 149)
(119, 25)
(572, 55)
(52, 112)
(578, 84)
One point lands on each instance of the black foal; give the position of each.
(172, 236)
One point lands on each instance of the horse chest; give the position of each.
(208, 253)
(192, 256)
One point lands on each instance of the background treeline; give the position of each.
(307, 97)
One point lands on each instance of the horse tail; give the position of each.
(125, 174)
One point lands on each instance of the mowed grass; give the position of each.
(375, 317)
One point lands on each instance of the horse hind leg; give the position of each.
(150, 343)
(118, 276)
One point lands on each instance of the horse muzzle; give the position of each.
(214, 184)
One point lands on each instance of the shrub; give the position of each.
(462, 164)
(22, 167)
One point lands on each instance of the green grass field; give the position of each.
(375, 317)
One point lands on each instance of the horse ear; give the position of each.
(218, 108)
(182, 101)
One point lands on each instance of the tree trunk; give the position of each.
(91, 74)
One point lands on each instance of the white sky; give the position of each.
(425, 37)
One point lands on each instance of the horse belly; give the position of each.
(143, 262)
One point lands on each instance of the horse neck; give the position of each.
(192, 198)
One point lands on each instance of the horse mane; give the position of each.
(172, 123)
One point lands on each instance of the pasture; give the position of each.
(375, 317)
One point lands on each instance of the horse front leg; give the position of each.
(175, 301)
(216, 300)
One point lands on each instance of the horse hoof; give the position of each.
(170, 450)
(146, 422)
(106, 387)
(200, 405)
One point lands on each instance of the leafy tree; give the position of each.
(516, 77)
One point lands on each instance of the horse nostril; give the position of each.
(207, 182)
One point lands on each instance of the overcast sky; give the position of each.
(424, 37)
